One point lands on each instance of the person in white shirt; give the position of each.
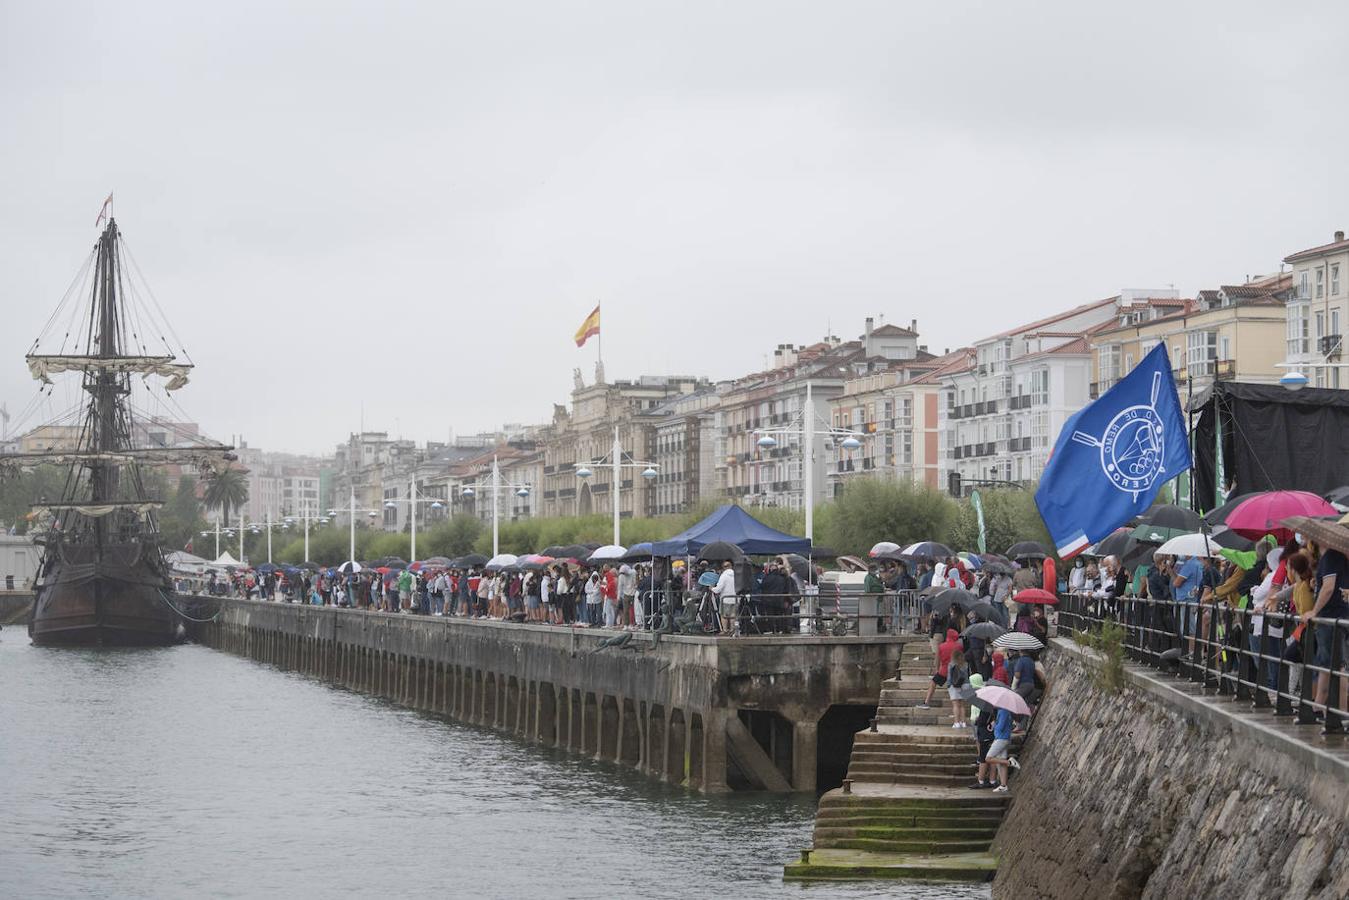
(725, 592)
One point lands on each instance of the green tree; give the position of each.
(872, 510)
(1009, 516)
(180, 519)
(19, 492)
(453, 537)
(226, 488)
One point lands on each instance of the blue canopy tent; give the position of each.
(735, 526)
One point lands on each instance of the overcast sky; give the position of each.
(410, 207)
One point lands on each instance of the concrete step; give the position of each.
(972, 817)
(838, 803)
(940, 753)
(917, 763)
(910, 696)
(908, 715)
(946, 831)
(926, 737)
(950, 781)
(885, 845)
(963, 769)
(849, 865)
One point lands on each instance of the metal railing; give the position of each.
(1218, 648)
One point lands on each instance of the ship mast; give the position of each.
(103, 384)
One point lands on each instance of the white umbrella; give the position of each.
(1190, 545)
(349, 567)
(1018, 640)
(883, 547)
(609, 551)
(502, 561)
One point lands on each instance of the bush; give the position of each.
(1009, 516)
(1107, 672)
(873, 510)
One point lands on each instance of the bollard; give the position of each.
(847, 785)
(874, 721)
(805, 857)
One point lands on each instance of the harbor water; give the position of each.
(183, 771)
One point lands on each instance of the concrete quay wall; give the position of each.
(714, 714)
(1154, 792)
(16, 607)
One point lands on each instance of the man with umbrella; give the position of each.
(725, 594)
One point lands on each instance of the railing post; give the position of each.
(1333, 723)
(1261, 692)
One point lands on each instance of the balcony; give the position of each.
(1225, 369)
(1020, 401)
(1330, 345)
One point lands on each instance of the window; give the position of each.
(1298, 340)
(1320, 283)
(1225, 347)
(1107, 361)
(1335, 280)
(1303, 289)
(1320, 324)
(1201, 349)
(1039, 387)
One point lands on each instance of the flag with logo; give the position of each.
(589, 328)
(1113, 456)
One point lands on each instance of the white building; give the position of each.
(1317, 313)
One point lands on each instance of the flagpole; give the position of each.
(599, 340)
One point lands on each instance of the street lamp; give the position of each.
(308, 517)
(495, 484)
(615, 461)
(412, 500)
(805, 428)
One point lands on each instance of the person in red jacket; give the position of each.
(949, 646)
(609, 591)
(1051, 578)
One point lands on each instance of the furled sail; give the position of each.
(43, 366)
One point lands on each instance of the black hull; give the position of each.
(118, 600)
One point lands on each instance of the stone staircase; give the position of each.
(906, 810)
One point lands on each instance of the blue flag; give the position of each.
(1113, 456)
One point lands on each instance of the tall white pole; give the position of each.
(269, 535)
(496, 485)
(306, 535)
(241, 538)
(808, 461)
(617, 454)
(352, 544)
(412, 503)
(217, 537)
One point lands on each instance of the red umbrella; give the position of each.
(1264, 513)
(384, 570)
(1038, 596)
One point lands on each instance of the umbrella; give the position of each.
(930, 549)
(416, 566)
(1261, 514)
(1219, 516)
(1168, 515)
(851, 564)
(973, 561)
(721, 551)
(265, 568)
(1226, 537)
(383, 570)
(708, 579)
(591, 546)
(1148, 533)
(1339, 498)
(396, 564)
(440, 561)
(473, 559)
(502, 561)
(573, 551)
(608, 552)
(987, 611)
(1018, 640)
(984, 631)
(997, 567)
(883, 547)
(1037, 596)
(1028, 550)
(943, 601)
(1326, 532)
(1003, 698)
(895, 556)
(536, 562)
(638, 552)
(799, 565)
(1190, 545)
(1119, 542)
(349, 567)
(554, 551)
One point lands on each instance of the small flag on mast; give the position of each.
(589, 328)
(103, 213)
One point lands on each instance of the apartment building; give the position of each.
(1006, 409)
(685, 450)
(1228, 332)
(1316, 313)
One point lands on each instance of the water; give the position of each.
(186, 771)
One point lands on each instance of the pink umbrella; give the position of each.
(1003, 698)
(1264, 513)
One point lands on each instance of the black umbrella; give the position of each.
(1168, 515)
(984, 631)
(311, 566)
(591, 547)
(997, 568)
(473, 559)
(1219, 515)
(557, 551)
(534, 565)
(800, 566)
(1028, 550)
(930, 549)
(721, 551)
(1231, 540)
(1119, 542)
(942, 602)
(987, 611)
(437, 561)
(1339, 498)
(396, 564)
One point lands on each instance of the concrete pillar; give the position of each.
(545, 731)
(676, 749)
(697, 777)
(630, 734)
(654, 763)
(714, 752)
(805, 749)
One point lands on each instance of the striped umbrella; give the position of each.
(1018, 640)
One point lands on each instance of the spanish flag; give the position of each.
(589, 328)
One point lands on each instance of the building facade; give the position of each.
(1317, 311)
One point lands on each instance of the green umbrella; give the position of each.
(1157, 534)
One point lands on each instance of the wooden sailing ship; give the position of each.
(103, 579)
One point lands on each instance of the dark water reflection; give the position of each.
(184, 771)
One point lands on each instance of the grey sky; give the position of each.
(414, 205)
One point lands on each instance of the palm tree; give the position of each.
(226, 488)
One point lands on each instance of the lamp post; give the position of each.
(806, 430)
(495, 484)
(306, 517)
(617, 464)
(412, 500)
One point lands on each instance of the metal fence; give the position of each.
(1275, 663)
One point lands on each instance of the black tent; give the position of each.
(1272, 439)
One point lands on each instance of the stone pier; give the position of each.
(713, 714)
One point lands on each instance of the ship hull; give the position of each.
(111, 601)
